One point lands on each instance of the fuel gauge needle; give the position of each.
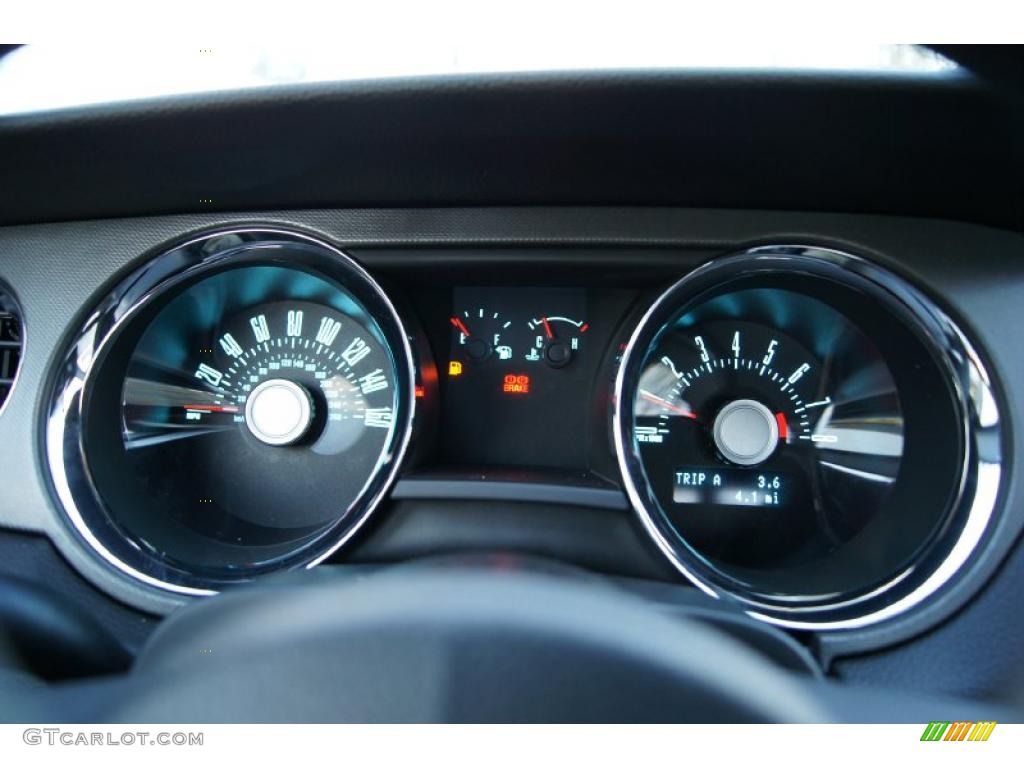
(678, 410)
(461, 327)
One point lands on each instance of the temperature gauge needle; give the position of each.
(678, 410)
(547, 328)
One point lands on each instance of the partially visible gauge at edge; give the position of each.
(793, 435)
(245, 416)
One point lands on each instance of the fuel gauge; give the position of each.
(480, 333)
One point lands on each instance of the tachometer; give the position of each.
(734, 413)
(799, 429)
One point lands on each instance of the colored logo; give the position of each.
(958, 731)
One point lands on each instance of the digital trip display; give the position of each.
(735, 487)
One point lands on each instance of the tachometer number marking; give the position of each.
(796, 375)
(667, 362)
(704, 356)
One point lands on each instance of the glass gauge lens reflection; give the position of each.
(256, 405)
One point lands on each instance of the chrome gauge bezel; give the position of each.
(972, 513)
(63, 439)
(9, 304)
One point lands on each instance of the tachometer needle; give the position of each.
(461, 326)
(678, 410)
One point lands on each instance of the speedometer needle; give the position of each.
(678, 410)
(213, 408)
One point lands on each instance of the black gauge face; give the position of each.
(519, 363)
(219, 418)
(243, 418)
(759, 441)
(791, 435)
(524, 329)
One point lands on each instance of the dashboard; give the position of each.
(775, 391)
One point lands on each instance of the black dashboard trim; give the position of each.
(417, 487)
(898, 142)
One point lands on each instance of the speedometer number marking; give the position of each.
(382, 418)
(328, 331)
(230, 346)
(355, 351)
(373, 382)
(209, 374)
(260, 328)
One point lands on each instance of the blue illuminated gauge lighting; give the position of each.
(238, 405)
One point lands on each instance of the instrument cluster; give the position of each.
(796, 429)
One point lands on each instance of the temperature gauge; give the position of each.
(556, 339)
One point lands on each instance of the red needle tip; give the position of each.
(461, 326)
(547, 328)
(213, 408)
(670, 406)
(780, 419)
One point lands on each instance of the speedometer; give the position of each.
(272, 376)
(238, 405)
(803, 431)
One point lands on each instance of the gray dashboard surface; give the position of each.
(58, 271)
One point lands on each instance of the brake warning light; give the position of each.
(516, 384)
